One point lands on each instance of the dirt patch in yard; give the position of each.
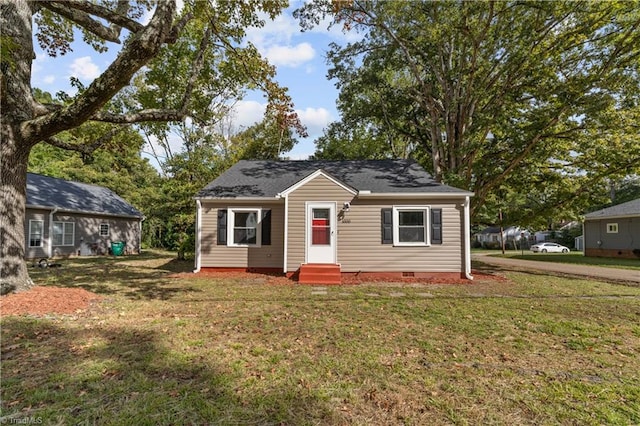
(47, 300)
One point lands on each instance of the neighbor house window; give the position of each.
(243, 228)
(63, 233)
(612, 228)
(104, 229)
(35, 233)
(410, 226)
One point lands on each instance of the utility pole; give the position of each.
(501, 230)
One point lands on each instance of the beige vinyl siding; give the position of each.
(360, 247)
(319, 189)
(213, 255)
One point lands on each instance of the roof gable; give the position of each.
(630, 208)
(311, 177)
(54, 193)
(268, 179)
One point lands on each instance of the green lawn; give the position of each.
(576, 258)
(532, 349)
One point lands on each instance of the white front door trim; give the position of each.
(320, 253)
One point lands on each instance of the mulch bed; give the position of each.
(47, 300)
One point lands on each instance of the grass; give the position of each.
(159, 350)
(577, 258)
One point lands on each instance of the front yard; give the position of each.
(576, 258)
(161, 348)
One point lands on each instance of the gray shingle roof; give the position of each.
(630, 208)
(45, 191)
(269, 178)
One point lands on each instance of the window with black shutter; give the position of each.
(436, 226)
(266, 227)
(222, 227)
(387, 226)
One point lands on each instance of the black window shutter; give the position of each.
(387, 226)
(222, 227)
(266, 227)
(436, 226)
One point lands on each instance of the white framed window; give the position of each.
(612, 228)
(411, 226)
(104, 229)
(63, 233)
(35, 233)
(244, 228)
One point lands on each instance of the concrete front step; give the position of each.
(319, 273)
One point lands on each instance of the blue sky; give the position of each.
(299, 59)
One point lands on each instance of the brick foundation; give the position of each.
(616, 253)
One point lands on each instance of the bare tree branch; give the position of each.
(84, 20)
(139, 116)
(135, 54)
(83, 148)
(117, 18)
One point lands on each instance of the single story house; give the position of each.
(66, 218)
(490, 236)
(318, 219)
(614, 231)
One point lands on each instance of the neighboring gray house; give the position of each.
(318, 219)
(490, 237)
(614, 231)
(65, 218)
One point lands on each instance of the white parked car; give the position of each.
(549, 248)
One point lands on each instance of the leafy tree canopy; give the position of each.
(171, 65)
(531, 105)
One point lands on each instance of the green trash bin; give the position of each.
(117, 248)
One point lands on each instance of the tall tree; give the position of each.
(26, 122)
(494, 93)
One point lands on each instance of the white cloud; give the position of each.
(247, 113)
(49, 78)
(277, 31)
(316, 119)
(290, 56)
(84, 68)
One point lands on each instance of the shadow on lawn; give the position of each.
(145, 276)
(116, 375)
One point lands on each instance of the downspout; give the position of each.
(140, 235)
(286, 233)
(50, 236)
(198, 236)
(467, 240)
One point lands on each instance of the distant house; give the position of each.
(490, 236)
(320, 219)
(65, 218)
(614, 231)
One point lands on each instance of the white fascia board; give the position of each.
(433, 195)
(312, 176)
(232, 199)
(87, 212)
(622, 216)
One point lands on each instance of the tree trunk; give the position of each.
(13, 180)
(17, 107)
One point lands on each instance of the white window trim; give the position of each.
(31, 221)
(100, 230)
(612, 228)
(396, 226)
(64, 226)
(231, 216)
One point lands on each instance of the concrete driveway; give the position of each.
(628, 276)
